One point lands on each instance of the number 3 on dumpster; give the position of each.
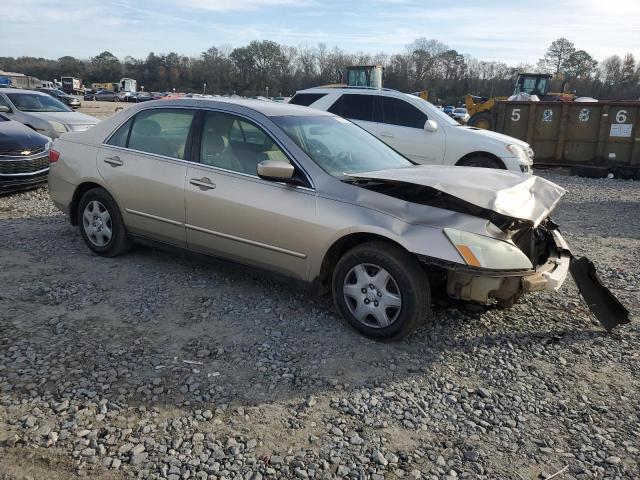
(515, 115)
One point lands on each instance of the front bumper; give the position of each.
(516, 164)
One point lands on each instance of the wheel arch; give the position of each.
(80, 190)
(481, 153)
(338, 248)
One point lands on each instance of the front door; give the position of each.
(402, 128)
(143, 165)
(233, 213)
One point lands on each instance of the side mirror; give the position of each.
(430, 126)
(4, 109)
(275, 170)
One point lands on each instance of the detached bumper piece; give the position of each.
(604, 305)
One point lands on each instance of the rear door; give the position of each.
(231, 212)
(363, 109)
(144, 167)
(402, 128)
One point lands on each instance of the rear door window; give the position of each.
(401, 113)
(306, 99)
(162, 131)
(356, 107)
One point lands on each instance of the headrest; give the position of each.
(149, 128)
(213, 143)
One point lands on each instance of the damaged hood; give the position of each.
(524, 197)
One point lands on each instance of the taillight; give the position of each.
(54, 155)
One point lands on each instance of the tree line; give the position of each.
(268, 68)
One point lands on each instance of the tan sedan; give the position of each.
(313, 196)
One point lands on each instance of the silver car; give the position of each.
(313, 196)
(42, 112)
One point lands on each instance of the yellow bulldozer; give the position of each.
(539, 84)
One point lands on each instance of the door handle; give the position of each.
(204, 183)
(114, 161)
(386, 135)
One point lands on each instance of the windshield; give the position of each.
(30, 102)
(460, 110)
(338, 146)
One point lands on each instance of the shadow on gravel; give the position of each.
(159, 328)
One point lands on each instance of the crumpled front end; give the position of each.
(552, 261)
(549, 257)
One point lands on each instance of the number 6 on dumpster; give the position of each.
(621, 116)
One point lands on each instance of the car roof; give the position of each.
(330, 88)
(21, 90)
(267, 108)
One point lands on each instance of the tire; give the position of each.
(482, 120)
(407, 286)
(482, 161)
(98, 214)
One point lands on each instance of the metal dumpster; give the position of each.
(592, 138)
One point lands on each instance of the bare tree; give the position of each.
(555, 60)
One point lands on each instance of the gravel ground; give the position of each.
(166, 365)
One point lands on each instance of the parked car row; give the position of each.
(111, 96)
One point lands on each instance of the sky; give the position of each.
(512, 31)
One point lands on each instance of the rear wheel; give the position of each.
(481, 161)
(101, 224)
(481, 120)
(381, 290)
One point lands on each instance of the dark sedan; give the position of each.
(102, 95)
(143, 96)
(24, 156)
(65, 98)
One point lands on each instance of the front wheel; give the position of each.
(381, 290)
(101, 224)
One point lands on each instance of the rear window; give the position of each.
(306, 99)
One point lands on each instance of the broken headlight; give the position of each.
(485, 252)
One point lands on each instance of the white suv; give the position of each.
(417, 129)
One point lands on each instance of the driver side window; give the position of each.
(233, 143)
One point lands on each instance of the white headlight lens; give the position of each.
(58, 127)
(517, 150)
(485, 252)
